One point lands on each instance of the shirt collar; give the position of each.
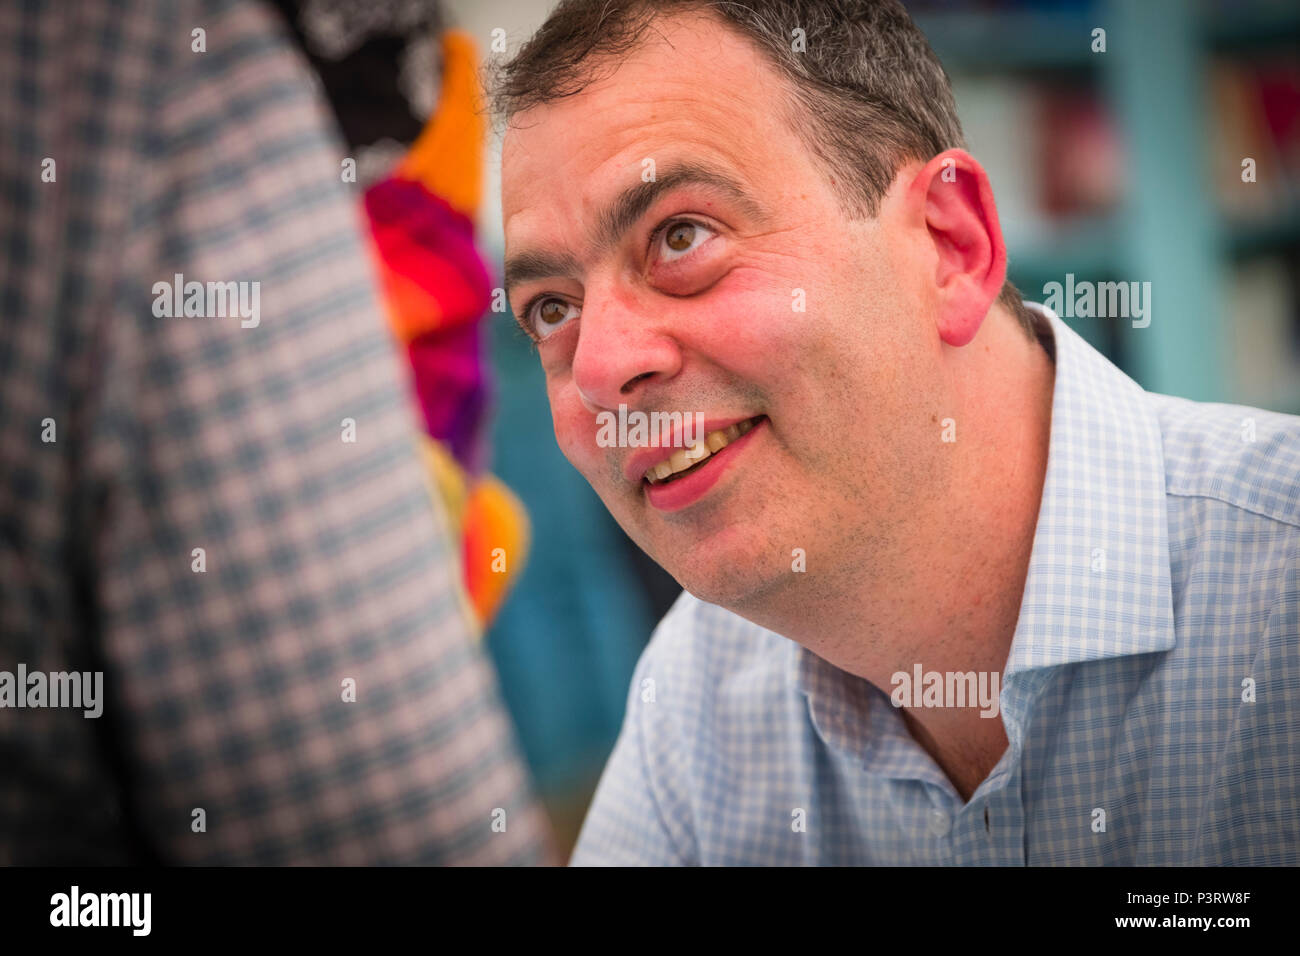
(1098, 584)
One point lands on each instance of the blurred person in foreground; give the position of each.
(218, 509)
(959, 591)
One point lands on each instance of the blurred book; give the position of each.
(1256, 117)
(1055, 159)
(998, 117)
(1080, 154)
(1265, 333)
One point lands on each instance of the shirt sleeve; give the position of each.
(637, 817)
(290, 679)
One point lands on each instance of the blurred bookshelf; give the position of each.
(1126, 165)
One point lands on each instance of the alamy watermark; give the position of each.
(636, 429)
(130, 910)
(1100, 300)
(947, 689)
(76, 689)
(208, 300)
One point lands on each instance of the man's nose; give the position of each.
(621, 352)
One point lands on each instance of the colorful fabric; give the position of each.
(494, 536)
(437, 290)
(451, 388)
(448, 156)
(432, 274)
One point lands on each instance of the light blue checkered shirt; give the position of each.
(1162, 590)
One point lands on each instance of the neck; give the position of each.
(946, 594)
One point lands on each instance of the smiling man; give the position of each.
(761, 212)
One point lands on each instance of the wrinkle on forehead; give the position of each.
(693, 90)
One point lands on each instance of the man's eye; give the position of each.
(681, 237)
(546, 315)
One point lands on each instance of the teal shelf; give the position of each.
(1093, 249)
(1010, 40)
(1255, 238)
(1087, 248)
(999, 41)
(1255, 29)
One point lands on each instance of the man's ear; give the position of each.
(962, 220)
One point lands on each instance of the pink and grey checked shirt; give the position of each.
(325, 560)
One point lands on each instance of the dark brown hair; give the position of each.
(863, 88)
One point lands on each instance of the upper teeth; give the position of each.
(684, 458)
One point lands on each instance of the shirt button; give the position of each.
(940, 822)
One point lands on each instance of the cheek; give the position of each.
(781, 334)
(574, 426)
(749, 321)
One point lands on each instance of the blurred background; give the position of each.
(1118, 165)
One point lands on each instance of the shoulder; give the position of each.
(1245, 458)
(1232, 483)
(701, 691)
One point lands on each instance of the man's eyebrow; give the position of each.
(624, 213)
(632, 203)
(538, 264)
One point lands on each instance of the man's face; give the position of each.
(733, 285)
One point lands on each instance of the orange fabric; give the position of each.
(492, 524)
(496, 540)
(447, 157)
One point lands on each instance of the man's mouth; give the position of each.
(683, 461)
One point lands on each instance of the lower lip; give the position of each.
(676, 495)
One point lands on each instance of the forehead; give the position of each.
(692, 90)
